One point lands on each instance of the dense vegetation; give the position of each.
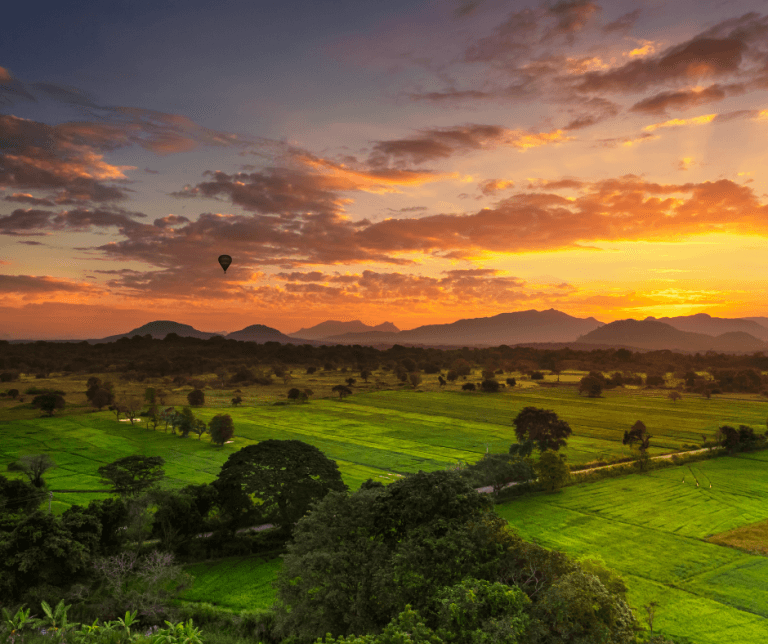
(425, 558)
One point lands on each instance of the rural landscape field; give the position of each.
(671, 533)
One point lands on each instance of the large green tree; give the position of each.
(357, 560)
(39, 552)
(276, 480)
(221, 428)
(131, 475)
(578, 608)
(540, 428)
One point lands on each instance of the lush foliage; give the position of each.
(283, 477)
(132, 475)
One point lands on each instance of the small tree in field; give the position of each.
(490, 386)
(48, 403)
(101, 398)
(674, 396)
(591, 385)
(468, 386)
(350, 381)
(639, 435)
(131, 407)
(236, 401)
(296, 395)
(33, 466)
(365, 374)
(196, 398)
(342, 390)
(414, 378)
(199, 428)
(221, 429)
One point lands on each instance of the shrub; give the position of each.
(468, 386)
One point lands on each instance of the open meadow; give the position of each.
(379, 432)
(658, 531)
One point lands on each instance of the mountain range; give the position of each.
(691, 334)
(331, 328)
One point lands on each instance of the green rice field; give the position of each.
(236, 583)
(374, 434)
(653, 528)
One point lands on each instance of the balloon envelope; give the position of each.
(225, 261)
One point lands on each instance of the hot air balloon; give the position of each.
(225, 261)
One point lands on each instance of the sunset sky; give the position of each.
(404, 161)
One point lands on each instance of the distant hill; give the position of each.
(505, 328)
(703, 323)
(655, 335)
(762, 321)
(261, 334)
(159, 329)
(334, 327)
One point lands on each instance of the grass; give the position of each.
(235, 583)
(668, 538)
(376, 433)
(653, 529)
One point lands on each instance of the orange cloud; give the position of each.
(696, 120)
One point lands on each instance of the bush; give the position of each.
(511, 382)
(468, 386)
(537, 375)
(490, 386)
(196, 398)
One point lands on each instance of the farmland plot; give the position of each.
(653, 528)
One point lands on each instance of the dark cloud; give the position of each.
(409, 209)
(273, 191)
(571, 17)
(440, 143)
(314, 276)
(170, 221)
(27, 198)
(686, 99)
(12, 89)
(29, 285)
(31, 221)
(697, 58)
(623, 23)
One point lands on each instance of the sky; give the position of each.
(413, 162)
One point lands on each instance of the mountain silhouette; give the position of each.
(703, 323)
(260, 333)
(334, 327)
(655, 335)
(504, 328)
